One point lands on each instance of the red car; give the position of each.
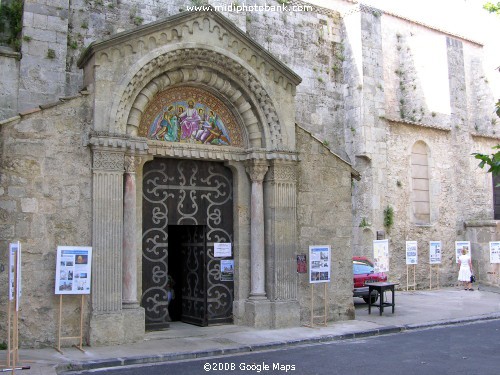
(364, 273)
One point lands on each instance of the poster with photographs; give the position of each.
(15, 248)
(319, 264)
(227, 270)
(495, 252)
(73, 270)
(381, 255)
(301, 263)
(411, 252)
(462, 245)
(435, 252)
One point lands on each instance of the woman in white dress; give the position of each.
(465, 271)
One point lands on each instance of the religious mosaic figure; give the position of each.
(190, 121)
(193, 117)
(167, 128)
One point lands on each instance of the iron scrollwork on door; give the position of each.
(185, 192)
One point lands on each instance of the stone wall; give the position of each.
(324, 218)
(480, 233)
(9, 82)
(45, 201)
(429, 91)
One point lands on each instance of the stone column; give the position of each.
(257, 171)
(107, 242)
(129, 292)
(280, 208)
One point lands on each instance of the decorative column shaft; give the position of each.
(129, 292)
(281, 230)
(107, 231)
(257, 171)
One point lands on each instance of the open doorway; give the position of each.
(187, 208)
(187, 253)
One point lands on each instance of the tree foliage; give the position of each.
(493, 161)
(492, 7)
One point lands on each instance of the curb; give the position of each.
(244, 349)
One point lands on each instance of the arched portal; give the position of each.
(187, 209)
(239, 114)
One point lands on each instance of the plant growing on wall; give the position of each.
(11, 23)
(388, 218)
(364, 223)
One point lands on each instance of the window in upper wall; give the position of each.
(420, 197)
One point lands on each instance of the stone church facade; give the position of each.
(176, 130)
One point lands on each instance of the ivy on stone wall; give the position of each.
(11, 23)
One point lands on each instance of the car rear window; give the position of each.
(361, 268)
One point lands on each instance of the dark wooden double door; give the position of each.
(187, 207)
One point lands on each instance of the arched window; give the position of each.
(420, 197)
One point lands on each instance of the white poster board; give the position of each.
(222, 249)
(73, 270)
(319, 264)
(15, 248)
(411, 252)
(459, 245)
(435, 252)
(381, 255)
(495, 252)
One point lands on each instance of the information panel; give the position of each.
(319, 264)
(435, 252)
(15, 272)
(222, 249)
(459, 246)
(495, 252)
(381, 255)
(73, 270)
(411, 252)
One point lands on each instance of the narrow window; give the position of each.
(496, 197)
(420, 183)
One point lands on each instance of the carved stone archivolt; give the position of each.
(212, 70)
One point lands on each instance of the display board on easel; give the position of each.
(434, 261)
(73, 277)
(494, 252)
(381, 255)
(319, 273)
(411, 263)
(13, 305)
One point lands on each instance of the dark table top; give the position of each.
(382, 283)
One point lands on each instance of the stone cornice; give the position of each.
(481, 223)
(9, 52)
(186, 22)
(419, 124)
(118, 142)
(369, 9)
(354, 173)
(487, 136)
(221, 153)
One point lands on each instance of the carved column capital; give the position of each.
(283, 171)
(132, 162)
(108, 161)
(257, 170)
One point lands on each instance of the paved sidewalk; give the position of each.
(419, 309)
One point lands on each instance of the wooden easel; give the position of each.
(13, 318)
(433, 268)
(414, 284)
(324, 316)
(80, 337)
